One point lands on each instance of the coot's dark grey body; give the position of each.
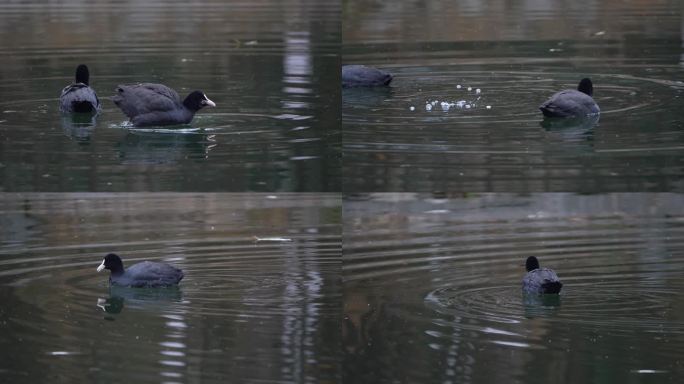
(156, 104)
(363, 76)
(144, 274)
(79, 97)
(572, 103)
(540, 280)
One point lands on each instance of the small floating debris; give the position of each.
(648, 371)
(600, 33)
(488, 107)
(555, 50)
(478, 91)
(277, 239)
(428, 107)
(458, 86)
(412, 108)
(438, 211)
(238, 42)
(470, 89)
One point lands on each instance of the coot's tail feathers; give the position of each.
(79, 98)
(548, 109)
(83, 106)
(388, 79)
(552, 287)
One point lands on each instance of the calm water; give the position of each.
(432, 288)
(516, 54)
(246, 311)
(270, 66)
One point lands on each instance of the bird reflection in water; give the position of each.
(541, 305)
(139, 298)
(79, 126)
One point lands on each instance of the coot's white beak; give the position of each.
(101, 267)
(209, 102)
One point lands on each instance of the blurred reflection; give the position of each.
(361, 316)
(540, 305)
(298, 68)
(140, 298)
(140, 147)
(79, 126)
(112, 304)
(569, 137)
(573, 129)
(366, 96)
(172, 355)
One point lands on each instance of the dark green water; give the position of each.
(516, 54)
(270, 66)
(312, 269)
(433, 288)
(246, 311)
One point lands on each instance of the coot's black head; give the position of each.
(113, 263)
(197, 100)
(585, 86)
(531, 264)
(82, 74)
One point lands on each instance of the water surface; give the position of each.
(247, 310)
(270, 66)
(433, 288)
(461, 113)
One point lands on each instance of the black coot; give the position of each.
(79, 97)
(156, 104)
(144, 274)
(363, 76)
(540, 280)
(572, 103)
